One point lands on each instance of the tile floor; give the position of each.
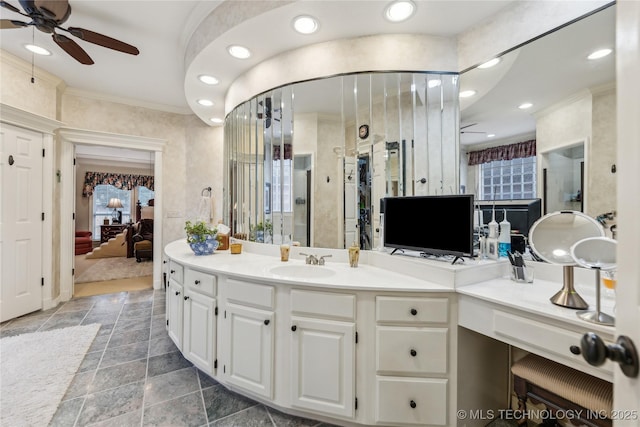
(133, 374)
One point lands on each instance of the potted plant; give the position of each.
(262, 232)
(202, 239)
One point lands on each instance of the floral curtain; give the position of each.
(119, 180)
(503, 152)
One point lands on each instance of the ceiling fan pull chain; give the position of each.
(33, 55)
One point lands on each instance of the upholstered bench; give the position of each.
(563, 390)
(143, 249)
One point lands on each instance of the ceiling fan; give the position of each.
(469, 131)
(48, 15)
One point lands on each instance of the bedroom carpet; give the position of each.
(37, 368)
(104, 269)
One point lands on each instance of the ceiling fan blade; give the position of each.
(11, 7)
(54, 9)
(72, 48)
(10, 23)
(102, 40)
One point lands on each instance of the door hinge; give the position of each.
(215, 364)
(356, 338)
(74, 161)
(356, 403)
(42, 281)
(225, 314)
(216, 311)
(73, 271)
(224, 369)
(43, 216)
(43, 152)
(73, 216)
(167, 322)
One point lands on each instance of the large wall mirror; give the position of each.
(572, 117)
(309, 162)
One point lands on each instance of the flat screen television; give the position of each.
(521, 214)
(438, 225)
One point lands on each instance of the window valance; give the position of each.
(503, 152)
(118, 180)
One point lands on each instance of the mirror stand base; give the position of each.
(597, 317)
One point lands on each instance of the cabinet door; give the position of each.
(249, 346)
(323, 366)
(199, 331)
(174, 313)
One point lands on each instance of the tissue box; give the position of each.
(223, 239)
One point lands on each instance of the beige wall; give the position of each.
(601, 182)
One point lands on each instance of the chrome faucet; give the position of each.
(310, 259)
(321, 260)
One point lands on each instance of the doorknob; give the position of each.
(596, 352)
(11, 160)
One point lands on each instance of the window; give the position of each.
(101, 196)
(508, 179)
(284, 188)
(144, 195)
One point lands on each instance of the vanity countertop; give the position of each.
(339, 275)
(533, 298)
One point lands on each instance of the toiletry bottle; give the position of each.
(504, 241)
(492, 240)
(354, 254)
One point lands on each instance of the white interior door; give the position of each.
(627, 390)
(20, 221)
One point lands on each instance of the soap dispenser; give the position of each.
(504, 241)
(354, 254)
(492, 240)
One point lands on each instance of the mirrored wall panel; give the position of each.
(309, 162)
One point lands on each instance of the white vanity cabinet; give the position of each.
(175, 303)
(412, 360)
(248, 336)
(199, 321)
(323, 334)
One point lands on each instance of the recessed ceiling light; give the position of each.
(399, 11)
(599, 54)
(205, 102)
(239, 52)
(210, 80)
(489, 63)
(434, 83)
(525, 105)
(305, 24)
(491, 135)
(217, 120)
(467, 93)
(37, 49)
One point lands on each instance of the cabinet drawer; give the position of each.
(323, 304)
(176, 271)
(198, 281)
(260, 296)
(412, 310)
(411, 401)
(411, 350)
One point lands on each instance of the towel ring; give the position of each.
(206, 189)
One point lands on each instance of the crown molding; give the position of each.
(22, 118)
(133, 142)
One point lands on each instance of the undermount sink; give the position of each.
(302, 271)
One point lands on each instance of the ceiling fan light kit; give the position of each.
(48, 16)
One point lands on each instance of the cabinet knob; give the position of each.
(177, 292)
(293, 328)
(266, 322)
(186, 298)
(575, 349)
(172, 271)
(164, 262)
(414, 311)
(412, 404)
(413, 353)
(197, 282)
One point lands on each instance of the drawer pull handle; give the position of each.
(173, 271)
(197, 282)
(413, 404)
(186, 298)
(177, 292)
(266, 322)
(413, 353)
(293, 328)
(414, 311)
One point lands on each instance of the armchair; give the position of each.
(142, 239)
(83, 242)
